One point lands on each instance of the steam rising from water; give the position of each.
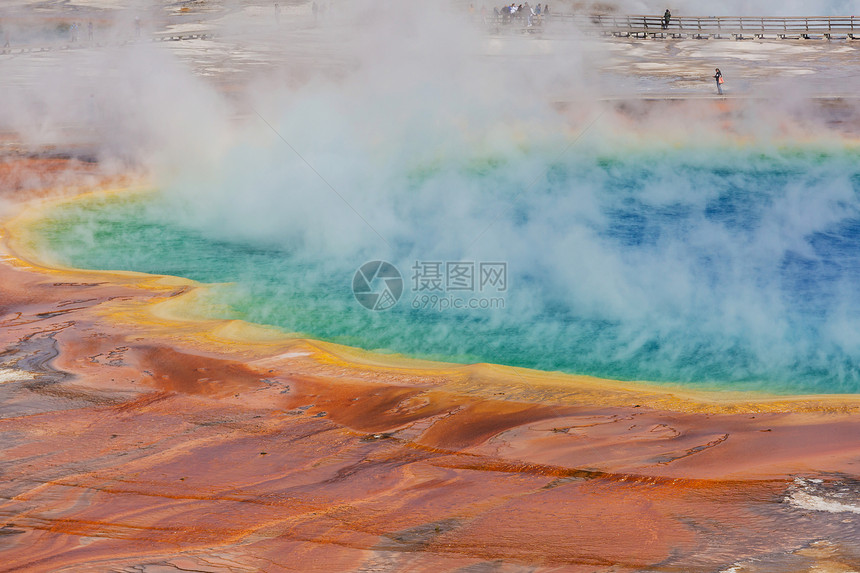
(662, 251)
(732, 267)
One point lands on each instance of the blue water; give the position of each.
(734, 269)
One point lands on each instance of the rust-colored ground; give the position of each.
(137, 443)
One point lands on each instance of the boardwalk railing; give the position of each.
(66, 44)
(718, 26)
(737, 27)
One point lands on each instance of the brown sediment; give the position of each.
(134, 440)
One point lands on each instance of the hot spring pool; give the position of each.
(735, 269)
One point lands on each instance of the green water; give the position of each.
(736, 273)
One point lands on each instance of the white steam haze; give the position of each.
(403, 131)
(742, 7)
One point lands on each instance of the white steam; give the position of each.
(742, 7)
(405, 132)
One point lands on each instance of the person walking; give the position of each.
(718, 76)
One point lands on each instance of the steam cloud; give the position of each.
(423, 139)
(743, 8)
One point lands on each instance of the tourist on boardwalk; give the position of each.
(528, 12)
(666, 17)
(718, 76)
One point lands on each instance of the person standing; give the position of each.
(718, 76)
(666, 17)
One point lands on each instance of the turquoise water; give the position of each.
(722, 268)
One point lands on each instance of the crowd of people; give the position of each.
(516, 13)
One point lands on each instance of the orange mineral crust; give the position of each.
(133, 441)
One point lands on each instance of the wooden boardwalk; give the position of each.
(84, 44)
(704, 27)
